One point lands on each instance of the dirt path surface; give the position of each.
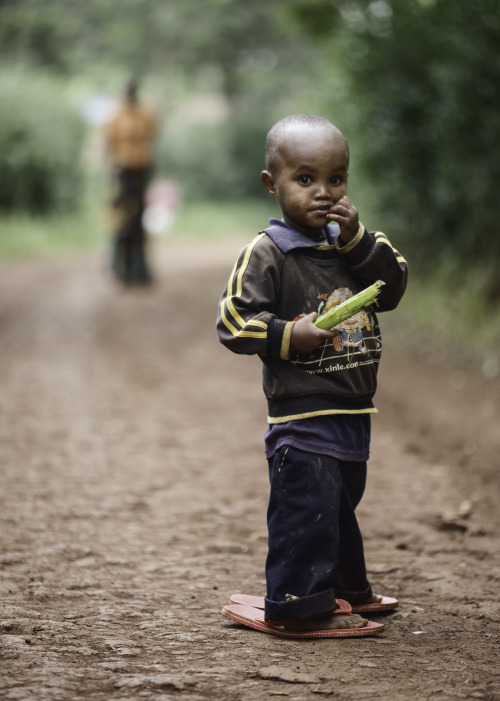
(134, 491)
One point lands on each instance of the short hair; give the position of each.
(277, 132)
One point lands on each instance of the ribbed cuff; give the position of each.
(278, 338)
(345, 247)
(357, 250)
(285, 342)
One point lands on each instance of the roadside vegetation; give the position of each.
(414, 86)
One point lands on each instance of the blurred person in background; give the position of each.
(130, 139)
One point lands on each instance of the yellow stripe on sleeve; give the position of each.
(382, 238)
(237, 318)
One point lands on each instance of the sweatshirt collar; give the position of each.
(286, 238)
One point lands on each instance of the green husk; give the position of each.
(351, 306)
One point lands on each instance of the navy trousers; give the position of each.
(315, 545)
(129, 243)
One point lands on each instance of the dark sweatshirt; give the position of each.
(283, 275)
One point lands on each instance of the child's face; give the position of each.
(309, 176)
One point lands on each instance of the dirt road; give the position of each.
(126, 521)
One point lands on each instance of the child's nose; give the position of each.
(323, 191)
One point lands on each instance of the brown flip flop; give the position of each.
(253, 618)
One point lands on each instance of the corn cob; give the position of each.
(351, 306)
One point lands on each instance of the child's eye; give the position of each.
(335, 180)
(305, 180)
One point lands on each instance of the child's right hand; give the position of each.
(306, 336)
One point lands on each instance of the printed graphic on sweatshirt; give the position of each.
(350, 347)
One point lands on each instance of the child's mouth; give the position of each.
(321, 210)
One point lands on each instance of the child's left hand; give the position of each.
(345, 214)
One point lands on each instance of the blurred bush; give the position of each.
(41, 138)
(215, 161)
(424, 76)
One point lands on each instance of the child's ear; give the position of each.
(268, 182)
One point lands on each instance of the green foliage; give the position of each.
(60, 35)
(144, 36)
(212, 219)
(88, 228)
(424, 75)
(40, 145)
(29, 234)
(221, 161)
(413, 85)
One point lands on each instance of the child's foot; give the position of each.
(333, 621)
(376, 603)
(374, 599)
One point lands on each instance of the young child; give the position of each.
(319, 384)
